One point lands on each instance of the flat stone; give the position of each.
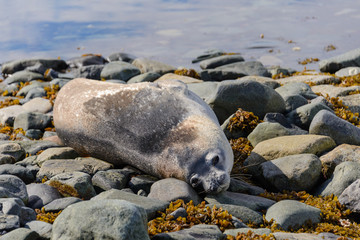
(352, 101)
(350, 197)
(23, 76)
(184, 79)
(348, 59)
(41, 194)
(257, 231)
(18, 65)
(12, 186)
(145, 77)
(44, 229)
(40, 105)
(112, 178)
(334, 91)
(19, 171)
(148, 65)
(119, 70)
(297, 236)
(32, 120)
(151, 206)
(21, 234)
(8, 114)
(292, 214)
(313, 79)
(220, 60)
(250, 68)
(103, 219)
(207, 54)
(268, 81)
(253, 202)
(60, 204)
(201, 231)
(296, 88)
(328, 124)
(171, 189)
(347, 72)
(56, 153)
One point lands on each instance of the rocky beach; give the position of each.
(295, 138)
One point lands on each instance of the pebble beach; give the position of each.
(295, 138)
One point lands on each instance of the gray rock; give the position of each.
(41, 194)
(240, 186)
(207, 54)
(9, 222)
(116, 81)
(349, 71)
(38, 68)
(49, 134)
(264, 80)
(34, 84)
(90, 72)
(245, 214)
(56, 153)
(12, 149)
(180, 212)
(350, 197)
(296, 88)
(220, 60)
(86, 60)
(253, 202)
(34, 134)
(23, 76)
(10, 88)
(204, 90)
(112, 178)
(12, 186)
(258, 231)
(148, 65)
(344, 174)
(26, 215)
(32, 120)
(334, 91)
(233, 94)
(39, 104)
(296, 236)
(142, 182)
(294, 101)
(145, 77)
(42, 228)
(352, 102)
(220, 75)
(60, 82)
(299, 172)
(292, 214)
(330, 236)
(348, 59)
(248, 68)
(8, 114)
(328, 124)
(151, 206)
(11, 206)
(34, 93)
(6, 159)
(119, 70)
(312, 78)
(21, 234)
(125, 57)
(201, 231)
(32, 147)
(60, 204)
(18, 65)
(87, 165)
(105, 219)
(80, 181)
(321, 99)
(171, 189)
(19, 171)
(303, 116)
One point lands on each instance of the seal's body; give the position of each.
(160, 128)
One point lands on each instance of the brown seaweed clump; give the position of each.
(48, 217)
(64, 189)
(250, 236)
(343, 111)
(9, 102)
(51, 92)
(241, 148)
(199, 214)
(187, 72)
(308, 60)
(244, 121)
(11, 132)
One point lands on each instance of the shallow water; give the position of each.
(175, 31)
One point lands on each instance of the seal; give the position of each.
(161, 128)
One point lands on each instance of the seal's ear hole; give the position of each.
(215, 160)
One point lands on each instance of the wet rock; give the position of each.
(40, 105)
(119, 70)
(147, 65)
(90, 72)
(142, 182)
(23, 76)
(145, 77)
(296, 88)
(201, 231)
(18, 65)
(42, 228)
(41, 194)
(183, 79)
(292, 214)
(220, 60)
(12, 149)
(264, 80)
(112, 178)
(8, 114)
(237, 185)
(21, 234)
(125, 57)
(233, 94)
(151, 206)
(56, 153)
(112, 219)
(12, 186)
(86, 60)
(347, 72)
(60, 204)
(299, 172)
(253, 202)
(32, 120)
(348, 59)
(80, 181)
(344, 174)
(23, 173)
(313, 79)
(328, 124)
(171, 189)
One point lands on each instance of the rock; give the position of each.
(34, 93)
(313, 79)
(352, 101)
(277, 70)
(23, 76)
(60, 204)
(350, 197)
(245, 214)
(32, 120)
(12, 186)
(60, 82)
(34, 134)
(23, 173)
(342, 153)
(12, 149)
(348, 59)
(41, 194)
(267, 130)
(344, 174)
(294, 101)
(296, 88)
(347, 72)
(32, 147)
(38, 68)
(291, 214)
(105, 219)
(151, 206)
(171, 189)
(9, 222)
(8, 114)
(15, 207)
(56, 153)
(328, 124)
(6, 159)
(148, 65)
(125, 57)
(183, 79)
(112, 178)
(80, 181)
(49, 134)
(233, 94)
(142, 182)
(253, 202)
(321, 99)
(87, 165)
(180, 212)
(204, 90)
(299, 172)
(334, 91)
(220, 75)
(40, 105)
(252, 68)
(296, 236)
(26, 215)
(86, 60)
(303, 116)
(264, 80)
(119, 70)
(220, 60)
(145, 77)
(33, 84)
(211, 53)
(21, 234)
(18, 65)
(237, 185)
(201, 231)
(42, 228)
(90, 72)
(257, 231)
(331, 236)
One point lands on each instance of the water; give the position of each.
(175, 31)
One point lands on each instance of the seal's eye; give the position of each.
(194, 181)
(215, 160)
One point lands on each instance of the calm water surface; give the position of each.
(175, 31)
